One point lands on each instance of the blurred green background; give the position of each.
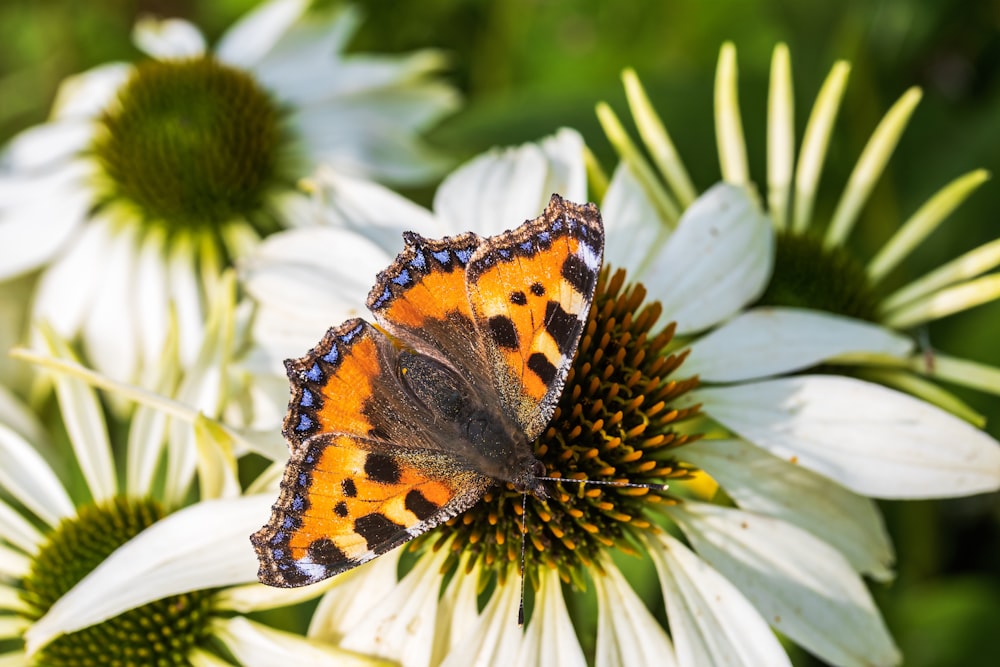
(528, 67)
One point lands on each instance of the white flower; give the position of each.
(786, 448)
(150, 177)
(815, 270)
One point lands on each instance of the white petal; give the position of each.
(549, 638)
(763, 483)
(88, 94)
(710, 621)
(401, 625)
(502, 188)
(875, 441)
(200, 547)
(186, 296)
(18, 531)
(627, 634)
(14, 565)
(48, 210)
(804, 587)
(15, 415)
(256, 645)
(46, 145)
(353, 596)
(458, 610)
(109, 330)
(88, 432)
(14, 658)
(771, 341)
(67, 289)
(496, 638)
(168, 38)
(26, 476)
(632, 225)
(371, 210)
(250, 38)
(717, 261)
(150, 304)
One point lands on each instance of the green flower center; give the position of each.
(159, 633)
(192, 143)
(808, 275)
(613, 423)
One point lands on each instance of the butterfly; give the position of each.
(396, 427)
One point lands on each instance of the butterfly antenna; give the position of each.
(602, 482)
(524, 538)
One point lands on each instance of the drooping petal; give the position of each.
(722, 251)
(875, 441)
(88, 94)
(772, 341)
(26, 476)
(804, 587)
(710, 621)
(18, 531)
(763, 483)
(501, 189)
(151, 305)
(200, 547)
(168, 39)
(353, 596)
(256, 645)
(632, 226)
(549, 638)
(45, 146)
(496, 638)
(627, 634)
(253, 36)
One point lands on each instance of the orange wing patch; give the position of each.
(345, 500)
(331, 384)
(530, 291)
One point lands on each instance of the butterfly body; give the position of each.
(396, 428)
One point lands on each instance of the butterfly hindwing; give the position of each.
(345, 500)
(530, 292)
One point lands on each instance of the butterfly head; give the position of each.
(530, 480)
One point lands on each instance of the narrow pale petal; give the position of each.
(15, 415)
(627, 634)
(200, 547)
(253, 36)
(87, 95)
(14, 659)
(258, 597)
(763, 483)
(722, 251)
(42, 220)
(965, 372)
(667, 209)
(780, 136)
(549, 638)
(186, 296)
(168, 39)
(772, 341)
(370, 210)
(151, 296)
(501, 189)
(45, 146)
(869, 168)
(16, 530)
(875, 441)
(199, 657)
(657, 139)
(946, 302)
(401, 625)
(497, 638)
(973, 263)
(256, 645)
(924, 389)
(26, 476)
(14, 564)
(84, 419)
(710, 621)
(109, 334)
(804, 587)
(923, 222)
(728, 124)
(632, 227)
(218, 476)
(458, 610)
(815, 142)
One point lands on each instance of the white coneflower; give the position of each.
(814, 268)
(790, 555)
(151, 177)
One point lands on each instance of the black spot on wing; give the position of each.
(518, 298)
(579, 275)
(382, 469)
(419, 505)
(349, 488)
(537, 289)
(324, 550)
(340, 509)
(562, 326)
(540, 365)
(503, 332)
(376, 529)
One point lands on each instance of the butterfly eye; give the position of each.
(538, 469)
